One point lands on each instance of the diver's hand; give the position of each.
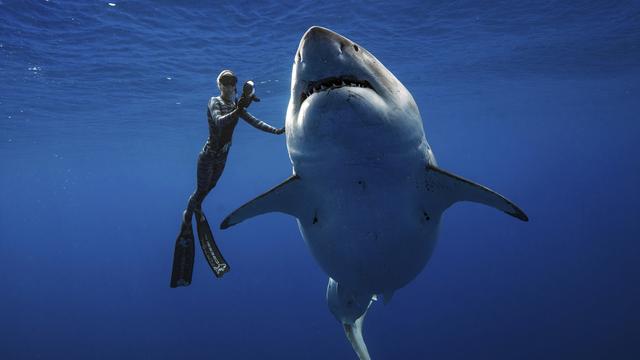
(279, 131)
(244, 102)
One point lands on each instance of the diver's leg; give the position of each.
(210, 167)
(209, 248)
(184, 251)
(205, 176)
(217, 167)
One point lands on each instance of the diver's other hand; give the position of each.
(279, 131)
(244, 102)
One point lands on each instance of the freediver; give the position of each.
(223, 113)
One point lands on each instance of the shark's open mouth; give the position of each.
(333, 83)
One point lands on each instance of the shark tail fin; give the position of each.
(282, 198)
(354, 334)
(349, 308)
(454, 188)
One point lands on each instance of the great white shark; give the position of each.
(366, 190)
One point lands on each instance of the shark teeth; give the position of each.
(333, 83)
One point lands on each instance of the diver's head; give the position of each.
(227, 84)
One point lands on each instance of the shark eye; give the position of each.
(299, 57)
(355, 47)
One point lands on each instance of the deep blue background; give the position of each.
(102, 114)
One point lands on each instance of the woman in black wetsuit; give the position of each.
(223, 113)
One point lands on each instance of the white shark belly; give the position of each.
(368, 229)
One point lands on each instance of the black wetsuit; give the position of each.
(213, 156)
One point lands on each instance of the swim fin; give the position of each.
(183, 256)
(209, 247)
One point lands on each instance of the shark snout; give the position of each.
(326, 60)
(321, 44)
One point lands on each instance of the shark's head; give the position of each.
(340, 91)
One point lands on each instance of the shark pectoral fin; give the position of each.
(282, 198)
(454, 188)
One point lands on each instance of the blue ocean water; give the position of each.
(102, 114)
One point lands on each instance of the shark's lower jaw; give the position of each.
(333, 82)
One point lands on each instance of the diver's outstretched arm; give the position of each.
(258, 124)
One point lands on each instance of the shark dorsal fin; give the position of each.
(284, 198)
(453, 188)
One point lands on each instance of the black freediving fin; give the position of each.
(452, 188)
(183, 255)
(209, 247)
